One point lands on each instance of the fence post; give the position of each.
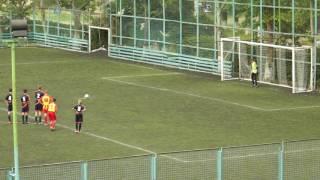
(84, 171)
(10, 174)
(220, 164)
(281, 162)
(154, 167)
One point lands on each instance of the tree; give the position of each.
(19, 8)
(77, 6)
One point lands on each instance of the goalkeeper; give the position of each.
(254, 73)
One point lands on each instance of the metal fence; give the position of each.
(187, 34)
(177, 33)
(282, 161)
(59, 28)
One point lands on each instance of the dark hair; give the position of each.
(54, 99)
(25, 91)
(10, 89)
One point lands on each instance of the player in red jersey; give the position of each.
(45, 101)
(52, 110)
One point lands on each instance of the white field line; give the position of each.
(133, 65)
(104, 138)
(173, 158)
(141, 75)
(40, 62)
(109, 139)
(206, 97)
(166, 156)
(186, 94)
(239, 157)
(164, 89)
(100, 137)
(294, 108)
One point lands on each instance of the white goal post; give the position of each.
(278, 65)
(99, 39)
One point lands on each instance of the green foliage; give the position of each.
(19, 8)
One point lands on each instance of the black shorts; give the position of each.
(79, 118)
(25, 109)
(9, 107)
(38, 107)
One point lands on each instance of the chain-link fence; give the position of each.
(187, 33)
(53, 27)
(283, 161)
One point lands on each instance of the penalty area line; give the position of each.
(208, 98)
(141, 75)
(41, 62)
(107, 139)
(99, 137)
(185, 93)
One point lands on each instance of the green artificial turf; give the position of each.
(137, 109)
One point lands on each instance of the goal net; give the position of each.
(284, 66)
(99, 39)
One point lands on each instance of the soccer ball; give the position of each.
(86, 95)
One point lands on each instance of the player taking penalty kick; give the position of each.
(38, 105)
(52, 109)
(79, 109)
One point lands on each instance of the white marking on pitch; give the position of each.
(141, 75)
(293, 108)
(203, 97)
(167, 156)
(100, 137)
(133, 65)
(40, 62)
(246, 156)
(184, 93)
(109, 139)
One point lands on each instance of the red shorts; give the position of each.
(45, 110)
(52, 116)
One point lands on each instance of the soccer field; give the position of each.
(140, 109)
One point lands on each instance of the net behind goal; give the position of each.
(277, 65)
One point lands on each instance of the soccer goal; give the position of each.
(99, 39)
(291, 67)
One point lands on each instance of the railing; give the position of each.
(279, 161)
(158, 57)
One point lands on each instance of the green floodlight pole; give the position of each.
(12, 44)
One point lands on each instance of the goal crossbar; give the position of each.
(265, 45)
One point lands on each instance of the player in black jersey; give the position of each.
(38, 105)
(8, 101)
(79, 109)
(25, 106)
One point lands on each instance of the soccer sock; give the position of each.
(77, 125)
(36, 119)
(22, 119)
(9, 118)
(80, 124)
(40, 119)
(26, 118)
